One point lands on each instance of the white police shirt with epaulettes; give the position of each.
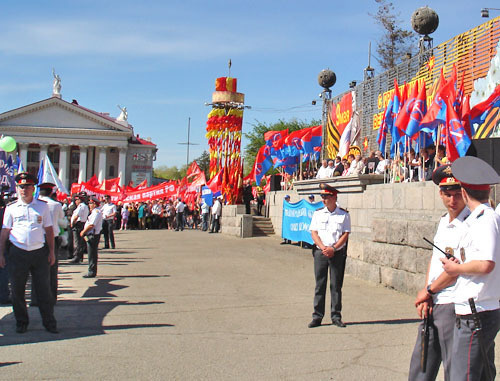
(95, 218)
(82, 211)
(480, 241)
(448, 235)
(330, 225)
(27, 222)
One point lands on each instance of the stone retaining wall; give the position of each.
(388, 224)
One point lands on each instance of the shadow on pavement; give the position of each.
(393, 321)
(79, 318)
(9, 363)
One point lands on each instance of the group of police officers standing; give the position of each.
(460, 303)
(29, 243)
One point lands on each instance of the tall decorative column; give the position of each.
(23, 154)
(82, 171)
(102, 163)
(121, 165)
(43, 152)
(63, 165)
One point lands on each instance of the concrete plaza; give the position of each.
(191, 305)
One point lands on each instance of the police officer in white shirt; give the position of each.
(478, 270)
(27, 230)
(108, 214)
(435, 301)
(91, 234)
(330, 227)
(58, 222)
(78, 218)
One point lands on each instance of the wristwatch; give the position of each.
(429, 290)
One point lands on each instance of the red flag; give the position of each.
(193, 170)
(93, 182)
(215, 182)
(404, 115)
(457, 141)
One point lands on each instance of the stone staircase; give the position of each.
(262, 226)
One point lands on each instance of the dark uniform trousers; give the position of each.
(20, 263)
(336, 264)
(78, 242)
(467, 363)
(440, 344)
(54, 269)
(92, 245)
(107, 231)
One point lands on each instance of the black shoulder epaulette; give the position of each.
(12, 203)
(319, 209)
(444, 215)
(345, 210)
(480, 214)
(42, 200)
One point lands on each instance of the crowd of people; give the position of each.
(37, 231)
(410, 166)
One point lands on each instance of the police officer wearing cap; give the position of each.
(78, 219)
(435, 300)
(330, 227)
(27, 230)
(91, 234)
(478, 270)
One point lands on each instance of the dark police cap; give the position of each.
(328, 189)
(81, 195)
(46, 186)
(25, 178)
(474, 173)
(443, 177)
(95, 200)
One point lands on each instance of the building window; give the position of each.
(111, 172)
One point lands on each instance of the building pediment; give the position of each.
(55, 113)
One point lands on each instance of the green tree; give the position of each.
(395, 41)
(169, 173)
(256, 136)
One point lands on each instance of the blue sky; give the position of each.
(160, 58)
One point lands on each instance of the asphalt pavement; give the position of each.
(196, 306)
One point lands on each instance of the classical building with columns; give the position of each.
(79, 142)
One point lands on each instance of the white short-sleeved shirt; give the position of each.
(322, 173)
(27, 223)
(480, 241)
(330, 225)
(448, 234)
(107, 210)
(56, 212)
(82, 213)
(95, 218)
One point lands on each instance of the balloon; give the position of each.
(7, 143)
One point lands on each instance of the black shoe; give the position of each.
(89, 276)
(338, 323)
(52, 329)
(106, 247)
(21, 328)
(314, 323)
(112, 247)
(75, 260)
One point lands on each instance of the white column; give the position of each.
(102, 163)
(82, 172)
(121, 165)
(43, 151)
(63, 165)
(23, 154)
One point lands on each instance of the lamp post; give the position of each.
(326, 79)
